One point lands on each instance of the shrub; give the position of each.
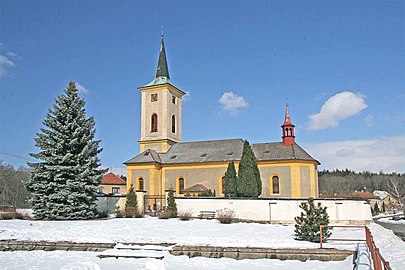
(164, 215)
(19, 215)
(119, 213)
(7, 215)
(225, 216)
(102, 213)
(186, 215)
(307, 227)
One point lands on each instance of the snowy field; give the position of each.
(193, 232)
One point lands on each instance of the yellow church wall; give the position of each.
(305, 181)
(283, 172)
(297, 179)
(208, 174)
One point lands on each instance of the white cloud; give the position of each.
(81, 88)
(232, 102)
(5, 63)
(386, 154)
(337, 108)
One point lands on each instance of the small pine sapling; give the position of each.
(308, 223)
(131, 204)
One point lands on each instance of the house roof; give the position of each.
(196, 188)
(112, 179)
(219, 151)
(363, 195)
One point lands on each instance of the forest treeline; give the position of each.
(347, 181)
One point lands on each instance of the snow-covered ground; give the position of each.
(193, 232)
(390, 220)
(75, 260)
(154, 230)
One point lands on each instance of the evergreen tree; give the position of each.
(171, 204)
(307, 227)
(131, 204)
(383, 207)
(230, 180)
(62, 183)
(249, 183)
(376, 209)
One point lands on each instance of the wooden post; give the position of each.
(320, 235)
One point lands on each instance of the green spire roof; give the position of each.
(162, 71)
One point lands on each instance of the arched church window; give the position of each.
(173, 124)
(286, 132)
(140, 183)
(154, 123)
(275, 181)
(180, 185)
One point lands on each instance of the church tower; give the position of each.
(161, 109)
(288, 129)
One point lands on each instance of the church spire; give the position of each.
(162, 70)
(288, 129)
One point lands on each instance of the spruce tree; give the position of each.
(308, 223)
(63, 182)
(171, 204)
(131, 204)
(230, 180)
(376, 209)
(249, 183)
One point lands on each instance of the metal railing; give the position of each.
(379, 262)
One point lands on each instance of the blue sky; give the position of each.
(340, 64)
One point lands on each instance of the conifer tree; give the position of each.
(249, 183)
(383, 207)
(376, 209)
(131, 204)
(230, 180)
(308, 223)
(62, 183)
(171, 204)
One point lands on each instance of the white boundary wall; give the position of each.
(282, 211)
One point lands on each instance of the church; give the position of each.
(165, 161)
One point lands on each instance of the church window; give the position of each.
(154, 123)
(180, 185)
(140, 183)
(173, 124)
(275, 182)
(154, 97)
(173, 99)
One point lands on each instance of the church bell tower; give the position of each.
(288, 129)
(161, 109)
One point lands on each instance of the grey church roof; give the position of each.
(220, 150)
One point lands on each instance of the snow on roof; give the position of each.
(381, 194)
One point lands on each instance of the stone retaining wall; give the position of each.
(240, 253)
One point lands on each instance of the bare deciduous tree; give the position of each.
(396, 187)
